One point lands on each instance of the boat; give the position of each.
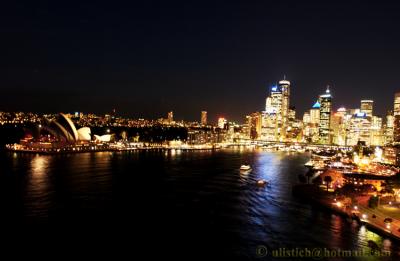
(262, 182)
(245, 167)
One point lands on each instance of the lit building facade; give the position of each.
(284, 87)
(203, 118)
(277, 115)
(325, 117)
(222, 123)
(359, 129)
(170, 117)
(254, 123)
(306, 118)
(389, 128)
(396, 123)
(315, 113)
(268, 127)
(339, 127)
(377, 136)
(367, 107)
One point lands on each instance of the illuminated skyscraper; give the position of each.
(315, 113)
(276, 102)
(222, 122)
(325, 117)
(376, 134)
(203, 118)
(359, 129)
(268, 126)
(268, 105)
(254, 123)
(277, 111)
(396, 114)
(389, 128)
(367, 107)
(396, 111)
(312, 130)
(306, 118)
(272, 119)
(338, 126)
(170, 117)
(284, 87)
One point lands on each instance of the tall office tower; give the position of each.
(203, 118)
(170, 117)
(367, 107)
(313, 129)
(315, 113)
(268, 104)
(338, 126)
(254, 123)
(396, 110)
(396, 114)
(359, 129)
(268, 126)
(284, 87)
(276, 101)
(389, 128)
(275, 111)
(306, 118)
(376, 133)
(222, 123)
(325, 117)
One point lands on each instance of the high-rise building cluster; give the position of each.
(278, 121)
(321, 124)
(349, 127)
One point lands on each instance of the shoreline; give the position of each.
(314, 200)
(44, 152)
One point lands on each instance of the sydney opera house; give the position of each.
(65, 131)
(61, 134)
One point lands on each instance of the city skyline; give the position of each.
(149, 58)
(240, 118)
(243, 130)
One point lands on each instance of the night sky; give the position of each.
(147, 57)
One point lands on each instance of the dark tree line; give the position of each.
(10, 133)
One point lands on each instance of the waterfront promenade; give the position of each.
(373, 219)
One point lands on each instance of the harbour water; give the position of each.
(175, 203)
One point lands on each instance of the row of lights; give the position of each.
(363, 216)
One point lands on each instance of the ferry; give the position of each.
(245, 167)
(262, 183)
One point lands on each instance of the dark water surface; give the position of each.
(167, 204)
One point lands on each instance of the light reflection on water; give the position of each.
(203, 187)
(37, 191)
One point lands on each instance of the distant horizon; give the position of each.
(214, 117)
(148, 58)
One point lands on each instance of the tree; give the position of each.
(373, 202)
(328, 180)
